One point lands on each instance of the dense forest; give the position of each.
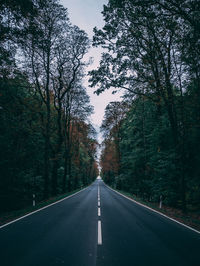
(47, 143)
(151, 141)
(151, 144)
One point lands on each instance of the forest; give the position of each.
(151, 146)
(151, 141)
(47, 143)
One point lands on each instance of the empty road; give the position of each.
(98, 227)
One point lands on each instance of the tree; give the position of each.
(13, 14)
(21, 143)
(146, 55)
(44, 109)
(39, 47)
(109, 162)
(114, 114)
(68, 70)
(77, 111)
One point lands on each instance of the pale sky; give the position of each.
(86, 14)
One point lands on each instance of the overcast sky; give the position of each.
(86, 14)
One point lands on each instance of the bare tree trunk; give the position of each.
(67, 163)
(47, 135)
(57, 156)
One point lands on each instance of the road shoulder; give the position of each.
(15, 216)
(195, 228)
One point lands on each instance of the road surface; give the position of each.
(98, 227)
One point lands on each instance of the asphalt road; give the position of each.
(98, 227)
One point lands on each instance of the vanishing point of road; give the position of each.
(98, 227)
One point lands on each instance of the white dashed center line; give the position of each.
(99, 222)
(99, 233)
(99, 212)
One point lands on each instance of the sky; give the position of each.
(86, 14)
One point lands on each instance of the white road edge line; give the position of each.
(155, 211)
(99, 212)
(20, 218)
(99, 233)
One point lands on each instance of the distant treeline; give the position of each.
(152, 138)
(47, 145)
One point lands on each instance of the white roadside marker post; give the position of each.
(160, 205)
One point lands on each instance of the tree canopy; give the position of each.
(47, 143)
(152, 52)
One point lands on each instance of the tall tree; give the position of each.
(40, 45)
(146, 55)
(44, 109)
(70, 49)
(114, 114)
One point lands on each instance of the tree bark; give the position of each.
(47, 135)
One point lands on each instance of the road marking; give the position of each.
(99, 233)
(98, 203)
(99, 212)
(155, 211)
(98, 196)
(20, 218)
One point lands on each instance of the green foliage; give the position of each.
(46, 145)
(152, 52)
(21, 141)
(149, 163)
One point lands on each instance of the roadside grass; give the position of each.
(12, 215)
(189, 218)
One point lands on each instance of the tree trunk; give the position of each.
(64, 174)
(55, 177)
(57, 156)
(69, 184)
(47, 135)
